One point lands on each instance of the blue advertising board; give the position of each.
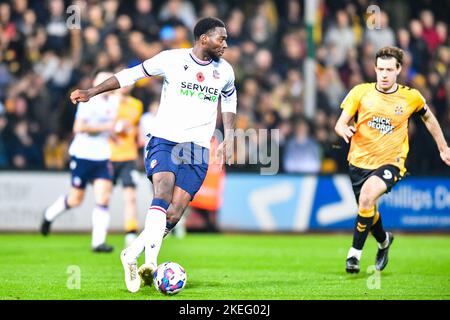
(305, 203)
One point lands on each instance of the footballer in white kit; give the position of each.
(186, 118)
(89, 163)
(90, 152)
(177, 153)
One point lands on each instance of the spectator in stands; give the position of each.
(429, 33)
(57, 32)
(40, 58)
(145, 21)
(339, 38)
(380, 36)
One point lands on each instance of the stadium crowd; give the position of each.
(46, 51)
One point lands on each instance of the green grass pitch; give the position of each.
(229, 267)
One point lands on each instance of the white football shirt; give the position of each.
(98, 110)
(190, 94)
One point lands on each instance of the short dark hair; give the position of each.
(205, 25)
(390, 52)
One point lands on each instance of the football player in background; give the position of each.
(379, 146)
(89, 163)
(124, 153)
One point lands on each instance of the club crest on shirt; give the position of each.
(76, 181)
(216, 74)
(399, 110)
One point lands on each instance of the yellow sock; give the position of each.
(131, 225)
(364, 213)
(367, 213)
(376, 217)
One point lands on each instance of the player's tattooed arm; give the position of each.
(343, 129)
(435, 130)
(84, 95)
(225, 149)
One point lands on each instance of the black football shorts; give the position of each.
(390, 174)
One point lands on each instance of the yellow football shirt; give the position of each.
(124, 147)
(381, 122)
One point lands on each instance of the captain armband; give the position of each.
(422, 111)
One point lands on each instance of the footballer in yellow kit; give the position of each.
(124, 153)
(381, 135)
(379, 146)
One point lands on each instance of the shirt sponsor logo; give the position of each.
(202, 92)
(381, 124)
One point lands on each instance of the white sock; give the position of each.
(155, 225)
(385, 243)
(136, 248)
(58, 207)
(100, 223)
(354, 253)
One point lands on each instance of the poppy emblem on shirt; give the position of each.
(200, 77)
(216, 74)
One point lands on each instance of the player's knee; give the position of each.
(103, 198)
(366, 201)
(74, 200)
(163, 188)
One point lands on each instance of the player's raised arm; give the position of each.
(343, 129)
(123, 78)
(84, 95)
(435, 130)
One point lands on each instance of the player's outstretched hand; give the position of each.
(79, 96)
(445, 156)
